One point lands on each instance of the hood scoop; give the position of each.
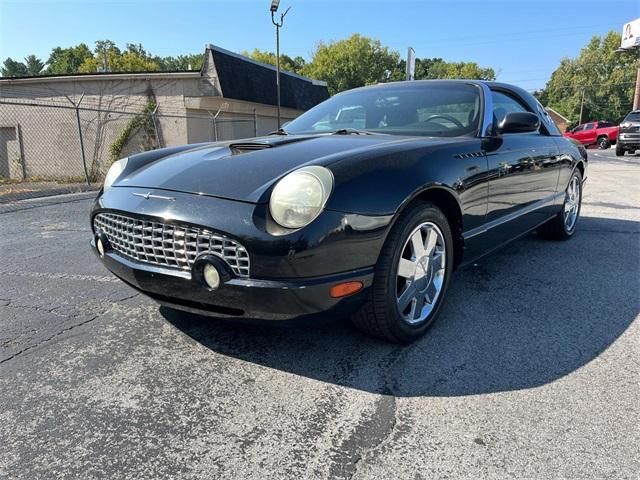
(238, 148)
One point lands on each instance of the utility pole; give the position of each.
(274, 9)
(411, 64)
(581, 107)
(636, 96)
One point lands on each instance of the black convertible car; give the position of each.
(362, 207)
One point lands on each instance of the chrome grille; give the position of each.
(168, 245)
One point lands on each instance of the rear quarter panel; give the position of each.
(571, 153)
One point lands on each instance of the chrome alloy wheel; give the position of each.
(421, 271)
(572, 203)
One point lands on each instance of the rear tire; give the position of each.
(603, 143)
(409, 288)
(619, 150)
(563, 225)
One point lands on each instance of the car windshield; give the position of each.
(633, 117)
(437, 110)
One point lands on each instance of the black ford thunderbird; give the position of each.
(361, 207)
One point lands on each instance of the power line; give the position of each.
(501, 37)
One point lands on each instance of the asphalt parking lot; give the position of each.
(533, 371)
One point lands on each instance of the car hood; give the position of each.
(244, 169)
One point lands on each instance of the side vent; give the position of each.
(469, 155)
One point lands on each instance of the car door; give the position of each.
(576, 132)
(588, 135)
(523, 174)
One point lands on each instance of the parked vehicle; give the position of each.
(629, 138)
(365, 222)
(602, 134)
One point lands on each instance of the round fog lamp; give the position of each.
(100, 247)
(211, 276)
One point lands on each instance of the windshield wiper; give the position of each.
(280, 131)
(351, 131)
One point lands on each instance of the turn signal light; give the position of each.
(345, 289)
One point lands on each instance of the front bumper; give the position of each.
(240, 298)
(291, 273)
(629, 140)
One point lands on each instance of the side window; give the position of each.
(579, 128)
(503, 104)
(590, 126)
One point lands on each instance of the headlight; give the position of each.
(300, 197)
(114, 171)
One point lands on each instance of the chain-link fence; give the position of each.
(51, 148)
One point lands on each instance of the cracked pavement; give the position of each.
(531, 372)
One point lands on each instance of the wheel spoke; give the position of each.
(417, 307)
(567, 207)
(436, 261)
(406, 268)
(412, 310)
(431, 293)
(417, 244)
(406, 297)
(432, 239)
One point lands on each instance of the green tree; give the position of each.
(180, 62)
(351, 63)
(605, 77)
(67, 60)
(108, 57)
(433, 68)
(34, 65)
(287, 63)
(13, 68)
(429, 68)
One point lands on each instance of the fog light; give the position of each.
(211, 276)
(100, 247)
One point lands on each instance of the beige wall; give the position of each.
(50, 142)
(49, 146)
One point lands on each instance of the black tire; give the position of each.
(556, 228)
(603, 143)
(619, 150)
(380, 316)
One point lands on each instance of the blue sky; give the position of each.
(522, 40)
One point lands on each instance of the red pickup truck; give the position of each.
(603, 134)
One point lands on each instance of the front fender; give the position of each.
(385, 184)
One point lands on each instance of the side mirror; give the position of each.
(519, 122)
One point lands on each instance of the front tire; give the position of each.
(563, 225)
(411, 276)
(603, 143)
(619, 150)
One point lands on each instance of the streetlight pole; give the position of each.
(278, 25)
